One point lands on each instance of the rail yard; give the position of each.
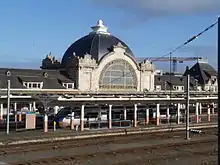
(149, 147)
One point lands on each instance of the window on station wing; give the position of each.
(33, 85)
(68, 85)
(118, 74)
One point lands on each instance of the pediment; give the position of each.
(119, 48)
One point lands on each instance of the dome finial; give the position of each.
(100, 23)
(100, 28)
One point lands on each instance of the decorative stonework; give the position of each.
(146, 66)
(100, 28)
(119, 45)
(50, 63)
(90, 72)
(119, 48)
(50, 57)
(125, 71)
(87, 62)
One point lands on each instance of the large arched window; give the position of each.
(118, 74)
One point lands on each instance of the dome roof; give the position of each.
(97, 43)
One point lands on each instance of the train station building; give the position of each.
(96, 64)
(100, 61)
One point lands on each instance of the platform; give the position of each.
(15, 137)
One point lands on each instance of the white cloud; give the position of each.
(163, 7)
(138, 11)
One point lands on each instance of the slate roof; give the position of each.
(202, 71)
(13, 81)
(96, 45)
(30, 78)
(172, 80)
(53, 80)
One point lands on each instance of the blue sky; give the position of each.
(30, 29)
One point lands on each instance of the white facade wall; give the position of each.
(147, 80)
(90, 71)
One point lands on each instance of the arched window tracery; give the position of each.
(118, 74)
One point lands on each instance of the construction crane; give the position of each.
(174, 60)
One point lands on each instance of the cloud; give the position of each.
(143, 10)
(163, 7)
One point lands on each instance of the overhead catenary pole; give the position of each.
(187, 102)
(8, 105)
(218, 107)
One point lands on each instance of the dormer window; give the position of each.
(68, 85)
(157, 87)
(33, 85)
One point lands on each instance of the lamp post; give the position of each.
(8, 74)
(218, 108)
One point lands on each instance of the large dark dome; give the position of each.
(97, 43)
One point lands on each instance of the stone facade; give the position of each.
(101, 62)
(87, 67)
(211, 85)
(89, 70)
(146, 76)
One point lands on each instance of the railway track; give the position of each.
(139, 150)
(163, 156)
(68, 136)
(53, 145)
(14, 149)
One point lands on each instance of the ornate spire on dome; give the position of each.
(100, 28)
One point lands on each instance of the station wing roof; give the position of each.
(52, 79)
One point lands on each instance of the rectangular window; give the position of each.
(39, 85)
(30, 85)
(35, 85)
(68, 85)
(157, 87)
